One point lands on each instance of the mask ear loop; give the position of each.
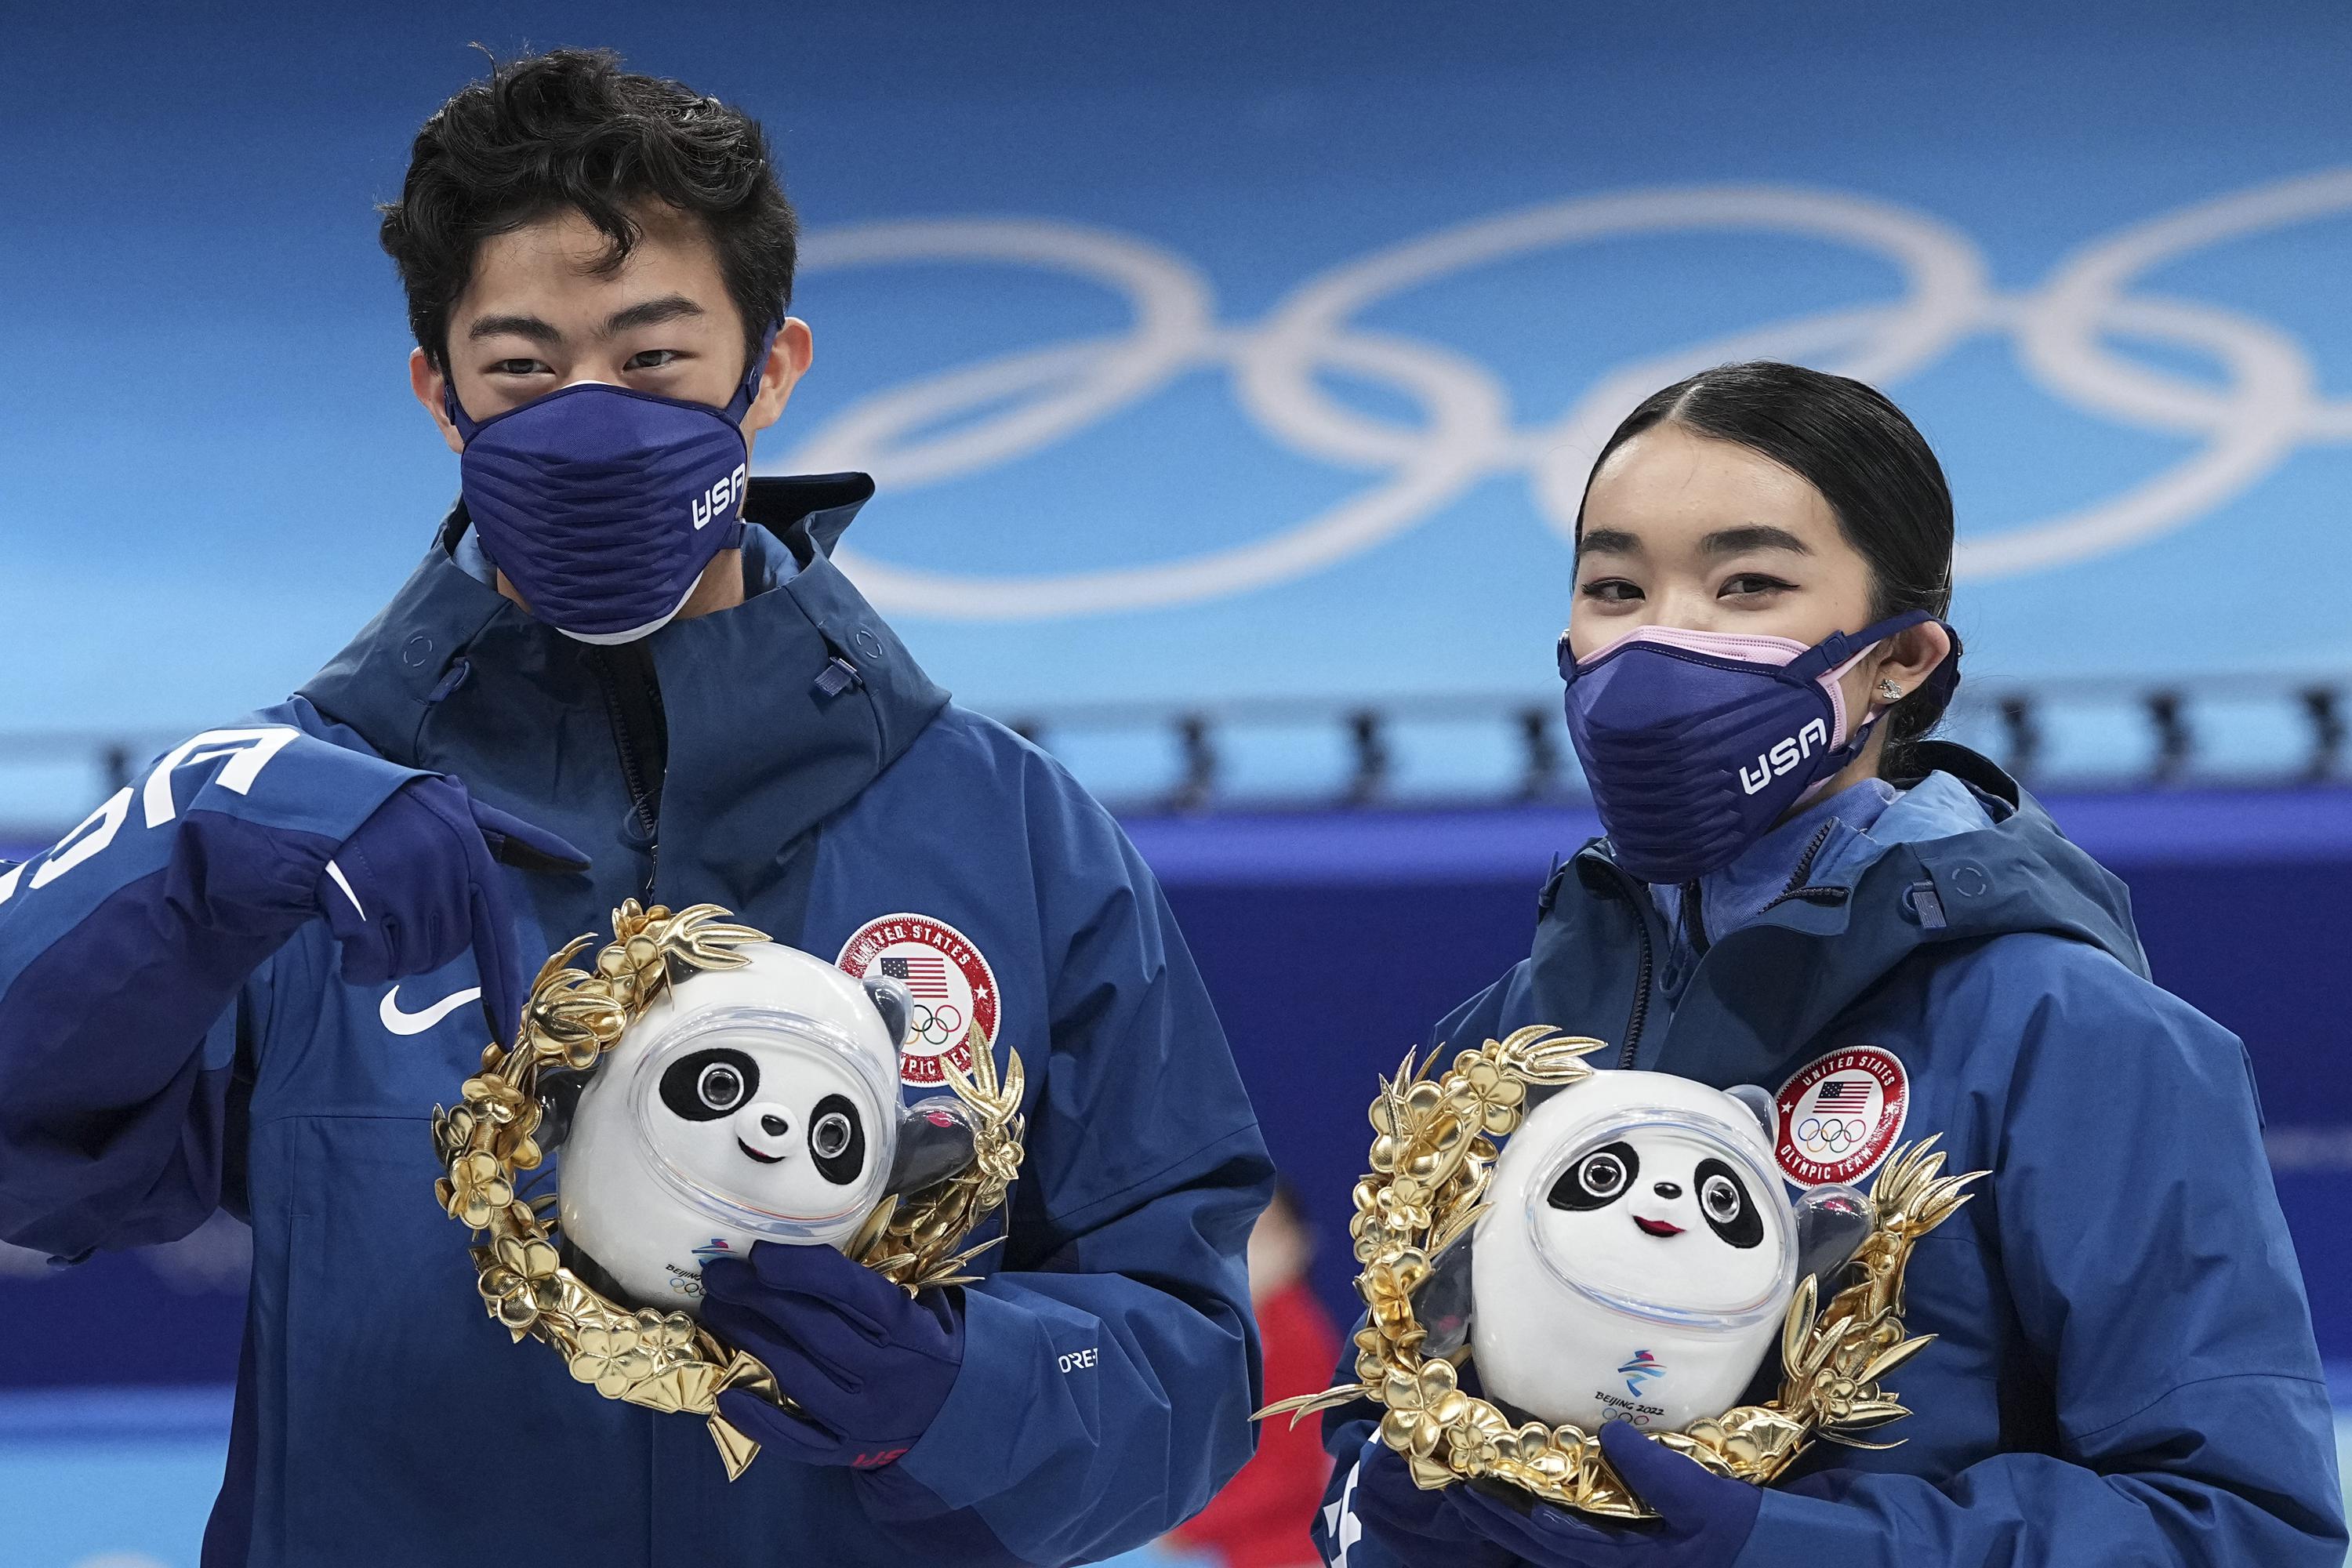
(1848, 651)
(738, 410)
(1827, 662)
(739, 405)
(467, 428)
(465, 423)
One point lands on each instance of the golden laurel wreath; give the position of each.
(1432, 1159)
(667, 1360)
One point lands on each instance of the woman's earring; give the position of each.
(1891, 692)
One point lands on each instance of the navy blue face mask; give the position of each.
(602, 506)
(1695, 743)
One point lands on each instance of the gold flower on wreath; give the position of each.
(523, 1282)
(1432, 1151)
(476, 1187)
(667, 1362)
(620, 1354)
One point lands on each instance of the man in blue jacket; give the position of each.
(2124, 1369)
(626, 671)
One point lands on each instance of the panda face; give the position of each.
(1613, 1172)
(779, 1130)
(1657, 1213)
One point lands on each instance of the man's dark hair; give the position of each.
(571, 129)
(1869, 462)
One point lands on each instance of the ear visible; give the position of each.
(1442, 1302)
(1832, 1222)
(1907, 659)
(935, 1142)
(559, 1098)
(894, 1002)
(1759, 1104)
(788, 358)
(431, 389)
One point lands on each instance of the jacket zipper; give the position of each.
(641, 737)
(1797, 891)
(1641, 975)
(1824, 894)
(1695, 916)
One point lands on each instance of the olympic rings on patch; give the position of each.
(1831, 1133)
(935, 1025)
(978, 416)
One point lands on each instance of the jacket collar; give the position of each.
(1770, 988)
(779, 710)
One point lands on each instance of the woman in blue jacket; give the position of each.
(1797, 891)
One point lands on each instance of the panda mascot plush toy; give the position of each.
(1638, 1256)
(751, 1104)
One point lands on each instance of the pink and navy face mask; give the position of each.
(1695, 743)
(602, 506)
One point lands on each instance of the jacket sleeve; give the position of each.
(2150, 1270)
(1111, 1368)
(128, 960)
(1492, 1013)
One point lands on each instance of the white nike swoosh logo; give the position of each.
(401, 1022)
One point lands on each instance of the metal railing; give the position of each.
(2260, 730)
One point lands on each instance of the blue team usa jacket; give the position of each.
(2125, 1370)
(820, 785)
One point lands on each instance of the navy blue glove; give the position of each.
(419, 883)
(868, 1365)
(1381, 1520)
(1704, 1520)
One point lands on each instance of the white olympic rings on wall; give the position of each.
(987, 412)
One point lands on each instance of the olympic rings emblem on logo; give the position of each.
(1830, 1135)
(1838, 1116)
(935, 1027)
(976, 416)
(948, 981)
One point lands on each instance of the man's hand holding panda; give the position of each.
(867, 1365)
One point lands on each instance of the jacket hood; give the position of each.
(777, 712)
(1964, 856)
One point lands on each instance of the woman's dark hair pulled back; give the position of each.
(1868, 461)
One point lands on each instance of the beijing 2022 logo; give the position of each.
(980, 416)
(1640, 1370)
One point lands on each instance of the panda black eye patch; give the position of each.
(703, 1085)
(1723, 1199)
(1596, 1179)
(836, 1140)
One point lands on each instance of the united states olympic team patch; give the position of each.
(1839, 1116)
(953, 988)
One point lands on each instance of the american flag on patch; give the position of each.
(1843, 1094)
(926, 978)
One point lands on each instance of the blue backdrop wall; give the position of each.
(1191, 342)
(1331, 946)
